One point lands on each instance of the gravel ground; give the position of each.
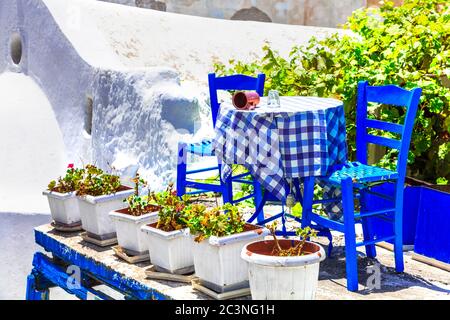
(419, 281)
(18, 247)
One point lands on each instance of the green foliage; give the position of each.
(140, 204)
(96, 182)
(246, 189)
(220, 221)
(407, 45)
(296, 248)
(70, 182)
(172, 212)
(297, 210)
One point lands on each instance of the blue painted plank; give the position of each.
(58, 276)
(433, 225)
(383, 125)
(99, 271)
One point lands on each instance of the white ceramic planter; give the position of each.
(169, 251)
(63, 207)
(218, 263)
(94, 212)
(282, 278)
(128, 230)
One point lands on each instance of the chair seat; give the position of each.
(360, 174)
(202, 148)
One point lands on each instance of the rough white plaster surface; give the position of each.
(145, 70)
(144, 122)
(141, 37)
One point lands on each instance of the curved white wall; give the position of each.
(31, 144)
(109, 35)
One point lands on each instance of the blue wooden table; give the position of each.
(70, 258)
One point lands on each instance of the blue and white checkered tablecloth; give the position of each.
(303, 137)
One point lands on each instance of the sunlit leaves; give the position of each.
(407, 45)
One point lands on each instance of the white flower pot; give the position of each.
(218, 263)
(169, 251)
(94, 212)
(63, 207)
(282, 278)
(128, 230)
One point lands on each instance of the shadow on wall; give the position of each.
(251, 14)
(151, 4)
(16, 48)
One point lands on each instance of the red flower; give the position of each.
(70, 166)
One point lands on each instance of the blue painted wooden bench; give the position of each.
(97, 266)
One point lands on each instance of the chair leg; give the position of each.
(371, 251)
(257, 189)
(350, 236)
(398, 229)
(367, 227)
(181, 169)
(308, 196)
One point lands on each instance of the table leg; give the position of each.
(308, 198)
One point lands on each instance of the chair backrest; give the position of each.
(233, 82)
(390, 95)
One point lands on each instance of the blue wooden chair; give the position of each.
(356, 178)
(204, 148)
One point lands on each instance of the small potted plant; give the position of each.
(218, 236)
(99, 193)
(62, 198)
(169, 247)
(130, 220)
(284, 269)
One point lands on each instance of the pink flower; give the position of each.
(70, 166)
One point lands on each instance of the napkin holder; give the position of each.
(245, 100)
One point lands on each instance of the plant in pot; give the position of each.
(284, 269)
(218, 236)
(128, 221)
(100, 193)
(168, 245)
(62, 199)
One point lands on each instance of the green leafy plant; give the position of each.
(219, 221)
(70, 182)
(408, 45)
(95, 182)
(296, 248)
(172, 209)
(441, 181)
(140, 204)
